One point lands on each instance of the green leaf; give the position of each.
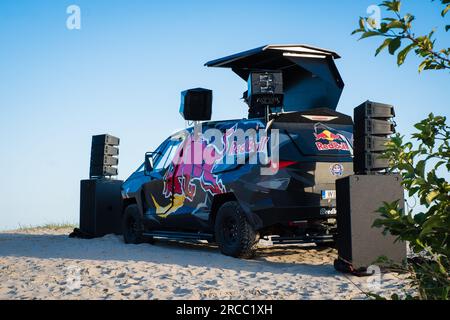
(394, 45)
(402, 54)
(396, 6)
(432, 195)
(383, 46)
(369, 34)
(444, 12)
(430, 225)
(440, 163)
(420, 168)
(392, 5)
(396, 25)
(423, 65)
(447, 27)
(362, 23)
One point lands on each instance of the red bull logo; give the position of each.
(327, 140)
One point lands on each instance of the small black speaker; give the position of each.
(374, 144)
(105, 139)
(103, 171)
(373, 110)
(104, 150)
(357, 200)
(196, 104)
(103, 160)
(101, 207)
(373, 127)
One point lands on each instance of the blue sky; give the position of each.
(123, 71)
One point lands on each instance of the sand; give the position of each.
(46, 264)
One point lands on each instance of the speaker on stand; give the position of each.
(196, 104)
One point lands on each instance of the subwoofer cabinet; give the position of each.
(358, 198)
(100, 207)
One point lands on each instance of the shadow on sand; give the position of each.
(183, 254)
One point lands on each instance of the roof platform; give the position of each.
(310, 76)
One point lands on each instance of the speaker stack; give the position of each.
(373, 127)
(358, 197)
(104, 152)
(100, 196)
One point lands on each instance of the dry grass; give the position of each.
(48, 226)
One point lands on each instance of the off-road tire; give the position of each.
(132, 225)
(234, 234)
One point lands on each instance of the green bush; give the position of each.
(421, 167)
(427, 231)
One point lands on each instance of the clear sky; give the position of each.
(122, 73)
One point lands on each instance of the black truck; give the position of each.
(234, 182)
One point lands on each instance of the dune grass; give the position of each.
(49, 226)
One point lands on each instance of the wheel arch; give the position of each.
(127, 202)
(220, 199)
(136, 199)
(217, 202)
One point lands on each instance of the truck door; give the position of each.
(159, 199)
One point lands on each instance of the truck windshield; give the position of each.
(167, 155)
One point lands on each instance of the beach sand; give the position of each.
(47, 264)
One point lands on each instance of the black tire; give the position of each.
(234, 234)
(133, 227)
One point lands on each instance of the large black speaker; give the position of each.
(196, 104)
(357, 199)
(372, 129)
(100, 207)
(104, 152)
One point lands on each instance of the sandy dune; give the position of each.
(45, 264)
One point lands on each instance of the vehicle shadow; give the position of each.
(185, 254)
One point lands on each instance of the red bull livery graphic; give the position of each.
(185, 171)
(185, 175)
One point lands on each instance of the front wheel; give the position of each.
(133, 227)
(234, 234)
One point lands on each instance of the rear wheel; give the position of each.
(133, 227)
(234, 234)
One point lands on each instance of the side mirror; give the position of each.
(148, 163)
